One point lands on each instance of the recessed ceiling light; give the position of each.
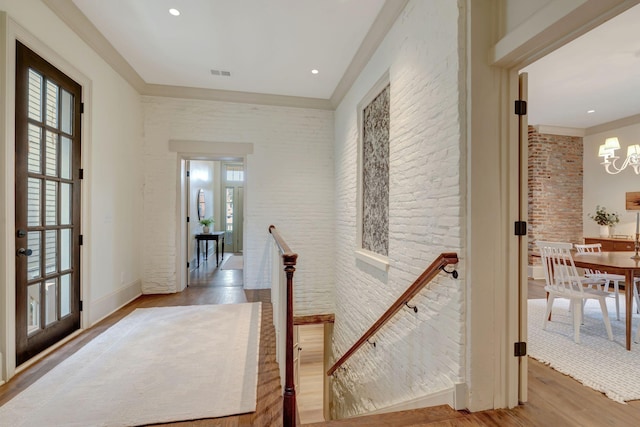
(174, 12)
(314, 71)
(591, 111)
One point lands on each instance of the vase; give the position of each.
(205, 229)
(604, 231)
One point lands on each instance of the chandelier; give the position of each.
(607, 152)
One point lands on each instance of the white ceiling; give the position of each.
(270, 47)
(599, 71)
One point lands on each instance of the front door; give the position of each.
(233, 209)
(47, 204)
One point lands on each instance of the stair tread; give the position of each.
(413, 417)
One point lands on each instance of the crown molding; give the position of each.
(69, 13)
(73, 17)
(616, 124)
(388, 15)
(234, 96)
(559, 130)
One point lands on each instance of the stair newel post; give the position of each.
(289, 404)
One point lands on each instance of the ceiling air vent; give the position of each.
(221, 73)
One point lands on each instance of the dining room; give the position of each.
(574, 199)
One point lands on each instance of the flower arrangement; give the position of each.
(602, 217)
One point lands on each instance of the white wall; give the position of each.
(289, 183)
(416, 354)
(111, 191)
(601, 188)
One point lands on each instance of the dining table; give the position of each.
(615, 263)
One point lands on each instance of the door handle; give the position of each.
(24, 252)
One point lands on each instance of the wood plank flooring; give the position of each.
(554, 399)
(312, 373)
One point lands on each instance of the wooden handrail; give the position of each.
(438, 264)
(289, 260)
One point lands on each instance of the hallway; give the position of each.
(554, 399)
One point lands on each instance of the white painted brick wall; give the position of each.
(289, 184)
(416, 354)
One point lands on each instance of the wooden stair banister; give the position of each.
(289, 260)
(432, 271)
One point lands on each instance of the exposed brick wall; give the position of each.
(289, 183)
(555, 176)
(416, 353)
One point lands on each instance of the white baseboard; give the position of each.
(442, 397)
(460, 396)
(536, 272)
(104, 306)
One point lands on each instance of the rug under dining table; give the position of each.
(596, 362)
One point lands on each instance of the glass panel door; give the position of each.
(233, 182)
(47, 204)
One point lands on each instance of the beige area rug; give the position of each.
(235, 262)
(156, 365)
(596, 362)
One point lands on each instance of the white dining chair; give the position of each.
(563, 281)
(609, 278)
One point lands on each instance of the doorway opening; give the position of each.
(563, 179)
(205, 228)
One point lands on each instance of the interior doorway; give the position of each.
(210, 188)
(552, 177)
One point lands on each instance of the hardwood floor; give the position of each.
(554, 399)
(310, 392)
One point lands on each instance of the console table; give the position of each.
(611, 245)
(214, 235)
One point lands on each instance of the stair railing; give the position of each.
(282, 302)
(432, 271)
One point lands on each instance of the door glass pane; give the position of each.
(34, 160)
(33, 202)
(33, 261)
(52, 154)
(51, 295)
(66, 110)
(65, 295)
(51, 251)
(65, 204)
(52, 104)
(65, 157)
(229, 213)
(33, 308)
(235, 172)
(35, 96)
(51, 203)
(65, 249)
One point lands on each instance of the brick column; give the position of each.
(555, 178)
